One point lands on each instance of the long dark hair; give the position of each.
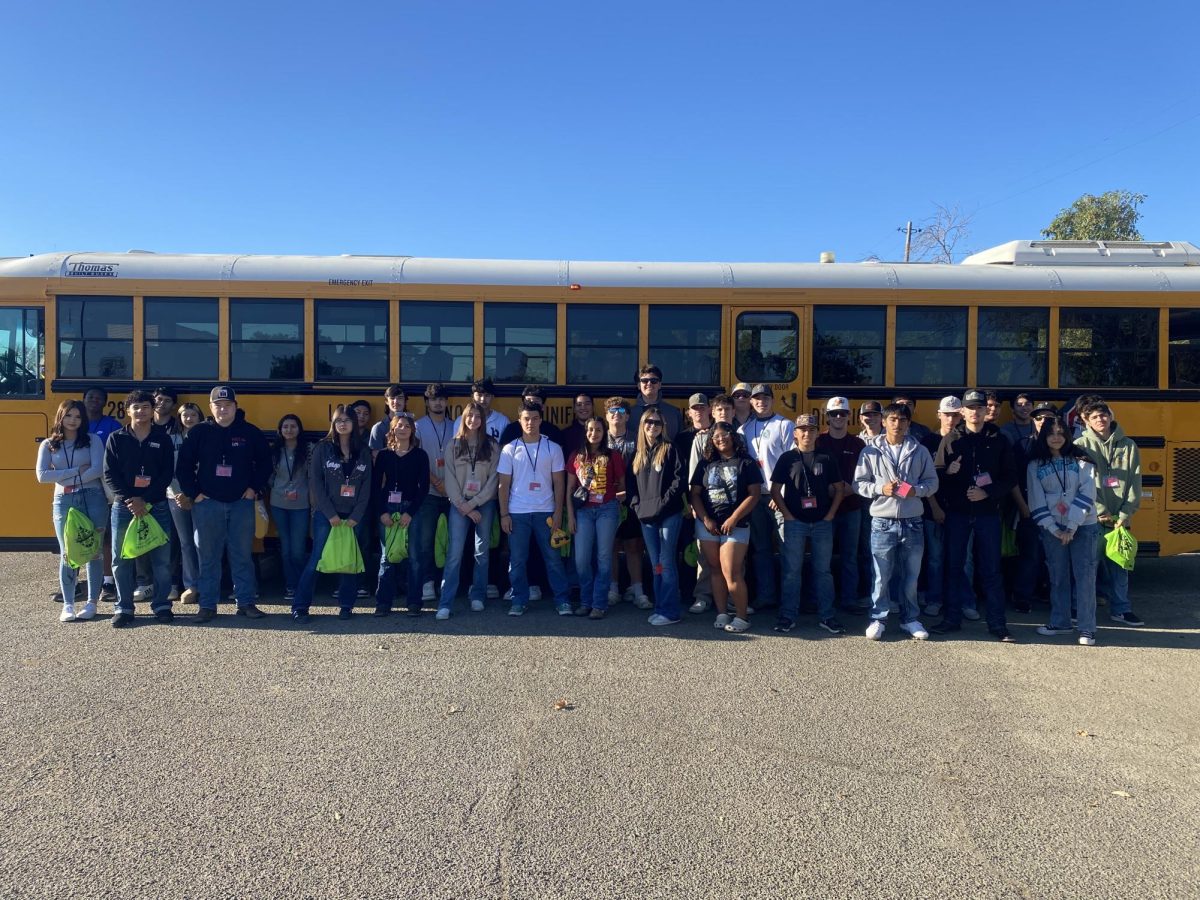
(356, 440)
(484, 450)
(413, 440)
(57, 435)
(739, 443)
(1040, 450)
(278, 446)
(584, 453)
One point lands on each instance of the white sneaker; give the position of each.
(1087, 639)
(641, 601)
(737, 626)
(972, 614)
(699, 606)
(721, 621)
(88, 612)
(191, 595)
(442, 614)
(876, 629)
(508, 594)
(535, 592)
(916, 629)
(67, 614)
(476, 606)
(493, 592)
(427, 591)
(657, 619)
(143, 592)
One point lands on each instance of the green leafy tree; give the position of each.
(1113, 216)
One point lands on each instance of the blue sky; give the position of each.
(673, 131)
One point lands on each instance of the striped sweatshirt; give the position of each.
(1062, 493)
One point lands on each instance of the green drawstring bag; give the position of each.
(395, 542)
(1008, 541)
(142, 536)
(441, 541)
(495, 541)
(341, 555)
(83, 541)
(1121, 547)
(691, 555)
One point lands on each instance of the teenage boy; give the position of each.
(870, 418)
(224, 465)
(649, 385)
(483, 392)
(806, 488)
(895, 473)
(742, 413)
(699, 428)
(844, 448)
(699, 421)
(1118, 495)
(976, 468)
(436, 433)
(394, 399)
(934, 521)
(531, 489)
(573, 436)
(1021, 426)
(767, 437)
(721, 409)
(992, 403)
(1021, 572)
(915, 428)
(536, 395)
(139, 464)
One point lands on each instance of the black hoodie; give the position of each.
(653, 493)
(984, 454)
(221, 462)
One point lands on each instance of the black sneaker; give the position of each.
(382, 612)
(250, 611)
(783, 625)
(301, 618)
(204, 614)
(414, 611)
(122, 620)
(1128, 619)
(108, 593)
(164, 616)
(345, 614)
(833, 626)
(944, 627)
(1004, 636)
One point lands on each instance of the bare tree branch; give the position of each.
(941, 234)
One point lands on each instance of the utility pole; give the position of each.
(908, 233)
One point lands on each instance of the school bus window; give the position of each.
(519, 341)
(266, 339)
(1183, 352)
(766, 347)
(685, 342)
(931, 345)
(181, 337)
(1108, 348)
(848, 344)
(1013, 345)
(95, 337)
(352, 340)
(602, 344)
(22, 351)
(437, 341)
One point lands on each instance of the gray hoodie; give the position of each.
(878, 464)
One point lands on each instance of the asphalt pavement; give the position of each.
(544, 757)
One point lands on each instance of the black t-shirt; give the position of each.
(805, 481)
(726, 484)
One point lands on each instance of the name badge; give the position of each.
(292, 494)
(141, 481)
(440, 463)
(808, 502)
(69, 489)
(395, 496)
(903, 489)
(983, 479)
(596, 498)
(535, 485)
(1112, 481)
(348, 490)
(1062, 508)
(473, 486)
(224, 471)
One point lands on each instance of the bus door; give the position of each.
(23, 422)
(766, 350)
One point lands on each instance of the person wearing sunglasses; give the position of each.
(650, 386)
(654, 486)
(845, 448)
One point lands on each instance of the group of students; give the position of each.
(765, 498)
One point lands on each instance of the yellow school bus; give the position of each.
(301, 333)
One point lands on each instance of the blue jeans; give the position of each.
(460, 525)
(866, 566)
(764, 526)
(595, 531)
(414, 567)
(1077, 559)
(125, 570)
(347, 584)
(845, 527)
(935, 565)
(896, 542)
(225, 528)
(662, 540)
(1114, 580)
(189, 560)
(985, 529)
(527, 527)
(794, 535)
(292, 526)
(92, 503)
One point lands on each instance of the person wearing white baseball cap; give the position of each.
(844, 448)
(949, 417)
(768, 436)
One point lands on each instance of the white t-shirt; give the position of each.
(767, 440)
(532, 467)
(495, 424)
(435, 441)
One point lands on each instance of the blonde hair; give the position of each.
(647, 455)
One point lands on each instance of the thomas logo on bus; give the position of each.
(92, 270)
